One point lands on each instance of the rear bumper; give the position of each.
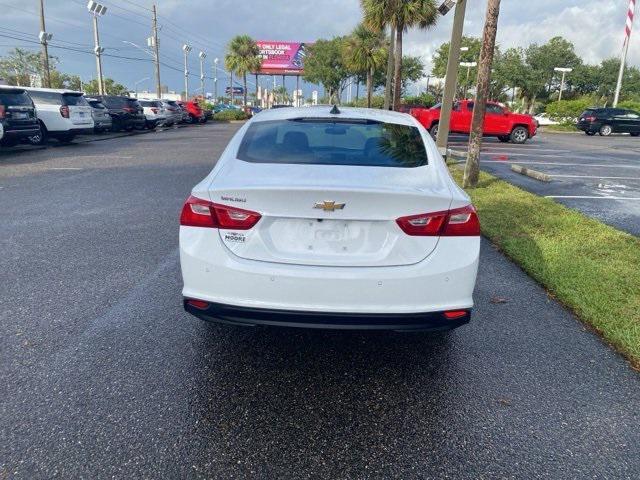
(443, 281)
(21, 132)
(250, 317)
(79, 130)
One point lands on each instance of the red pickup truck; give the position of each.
(498, 121)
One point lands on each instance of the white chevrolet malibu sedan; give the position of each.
(330, 218)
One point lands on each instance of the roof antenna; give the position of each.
(335, 110)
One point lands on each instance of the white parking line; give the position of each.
(533, 162)
(65, 168)
(595, 176)
(593, 197)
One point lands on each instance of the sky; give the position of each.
(594, 26)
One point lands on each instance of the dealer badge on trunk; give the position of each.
(328, 206)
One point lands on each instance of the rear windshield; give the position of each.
(73, 99)
(46, 98)
(133, 103)
(114, 102)
(150, 103)
(588, 113)
(97, 104)
(15, 98)
(333, 142)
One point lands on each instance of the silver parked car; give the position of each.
(102, 121)
(155, 113)
(174, 113)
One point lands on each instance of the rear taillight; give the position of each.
(129, 109)
(590, 119)
(459, 222)
(154, 110)
(64, 111)
(197, 212)
(3, 111)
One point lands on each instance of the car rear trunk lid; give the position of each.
(311, 214)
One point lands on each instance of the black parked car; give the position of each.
(17, 116)
(606, 121)
(126, 113)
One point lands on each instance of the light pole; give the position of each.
(564, 72)
(97, 10)
(44, 40)
(215, 80)
(469, 66)
(135, 84)
(451, 79)
(202, 56)
(186, 49)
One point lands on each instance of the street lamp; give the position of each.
(186, 49)
(564, 72)
(97, 10)
(469, 66)
(135, 84)
(215, 80)
(202, 56)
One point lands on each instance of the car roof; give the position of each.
(11, 87)
(384, 116)
(52, 90)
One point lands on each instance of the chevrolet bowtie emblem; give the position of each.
(329, 206)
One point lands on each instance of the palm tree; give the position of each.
(400, 15)
(243, 57)
(364, 51)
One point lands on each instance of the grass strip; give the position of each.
(560, 128)
(588, 266)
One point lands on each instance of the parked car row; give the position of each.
(34, 115)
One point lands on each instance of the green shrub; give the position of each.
(630, 104)
(426, 100)
(376, 102)
(227, 115)
(566, 111)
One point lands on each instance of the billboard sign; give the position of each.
(282, 58)
(236, 90)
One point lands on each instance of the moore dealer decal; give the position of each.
(235, 237)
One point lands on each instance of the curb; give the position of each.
(455, 156)
(543, 177)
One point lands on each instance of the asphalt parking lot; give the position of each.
(104, 376)
(599, 176)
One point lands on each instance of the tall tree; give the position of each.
(441, 58)
(388, 85)
(325, 65)
(472, 168)
(400, 15)
(557, 52)
(364, 51)
(242, 58)
(19, 64)
(111, 87)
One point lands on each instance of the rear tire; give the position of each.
(504, 138)
(606, 130)
(519, 135)
(635, 134)
(434, 131)
(40, 139)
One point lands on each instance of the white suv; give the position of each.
(155, 113)
(63, 114)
